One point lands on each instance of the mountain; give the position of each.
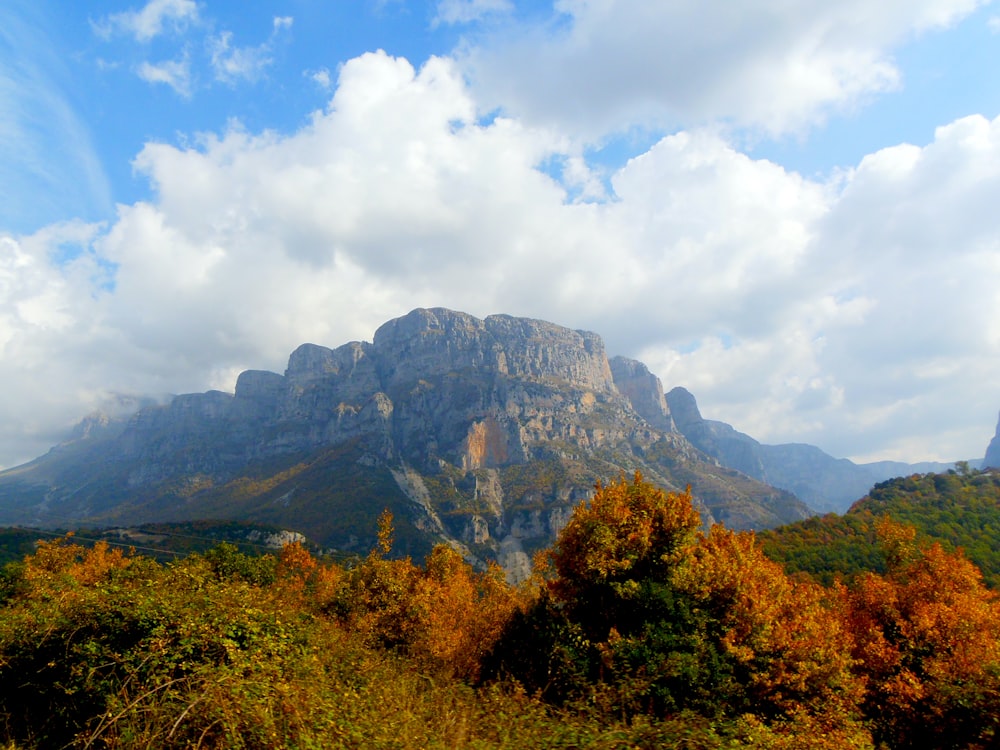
(481, 433)
(823, 482)
(992, 458)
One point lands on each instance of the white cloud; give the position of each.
(467, 11)
(152, 20)
(766, 64)
(232, 64)
(226, 61)
(47, 314)
(174, 73)
(905, 334)
(849, 314)
(321, 77)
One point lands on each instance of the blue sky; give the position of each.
(787, 208)
(95, 98)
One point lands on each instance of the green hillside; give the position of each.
(961, 510)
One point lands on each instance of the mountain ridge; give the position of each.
(823, 482)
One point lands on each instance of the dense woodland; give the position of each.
(959, 509)
(639, 629)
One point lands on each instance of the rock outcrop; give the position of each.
(644, 392)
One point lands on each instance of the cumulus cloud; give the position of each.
(903, 329)
(46, 310)
(763, 64)
(797, 309)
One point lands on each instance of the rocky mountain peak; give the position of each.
(643, 390)
(435, 341)
(993, 450)
(313, 362)
(683, 408)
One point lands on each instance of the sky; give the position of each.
(788, 208)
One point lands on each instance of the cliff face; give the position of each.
(481, 433)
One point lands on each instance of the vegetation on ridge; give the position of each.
(638, 630)
(958, 509)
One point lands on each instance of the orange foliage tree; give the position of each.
(445, 615)
(461, 612)
(628, 531)
(927, 640)
(647, 614)
(786, 651)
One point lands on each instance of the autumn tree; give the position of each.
(375, 597)
(444, 615)
(461, 613)
(927, 641)
(647, 614)
(630, 532)
(785, 652)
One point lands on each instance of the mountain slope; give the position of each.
(483, 433)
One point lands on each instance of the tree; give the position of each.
(927, 642)
(628, 533)
(786, 653)
(645, 614)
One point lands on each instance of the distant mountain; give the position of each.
(481, 433)
(823, 482)
(992, 458)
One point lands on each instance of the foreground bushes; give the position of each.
(639, 630)
(101, 649)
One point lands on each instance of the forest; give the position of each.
(959, 509)
(639, 629)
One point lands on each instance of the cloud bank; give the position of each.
(607, 65)
(850, 313)
(857, 311)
